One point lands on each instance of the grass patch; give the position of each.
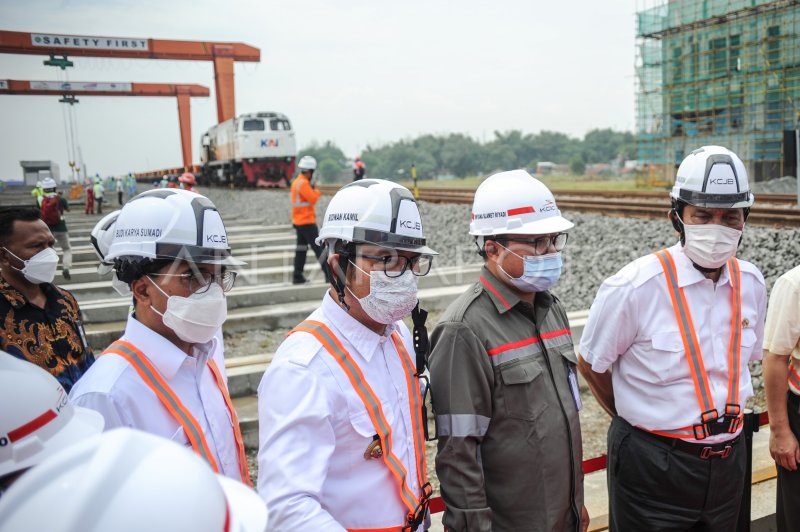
(556, 182)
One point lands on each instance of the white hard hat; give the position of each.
(48, 183)
(101, 237)
(307, 162)
(169, 224)
(36, 419)
(375, 211)
(515, 202)
(714, 177)
(126, 480)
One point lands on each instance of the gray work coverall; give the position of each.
(509, 455)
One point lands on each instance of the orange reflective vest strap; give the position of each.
(373, 406)
(415, 404)
(237, 431)
(691, 345)
(153, 379)
(794, 377)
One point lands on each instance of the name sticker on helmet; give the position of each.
(488, 215)
(343, 217)
(153, 232)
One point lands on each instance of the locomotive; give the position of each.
(251, 150)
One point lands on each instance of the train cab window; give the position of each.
(253, 124)
(277, 124)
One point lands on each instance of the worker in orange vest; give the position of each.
(304, 197)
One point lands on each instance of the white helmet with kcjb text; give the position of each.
(307, 162)
(515, 202)
(168, 224)
(713, 177)
(127, 480)
(101, 237)
(375, 211)
(36, 419)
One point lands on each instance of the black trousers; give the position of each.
(654, 487)
(306, 234)
(787, 512)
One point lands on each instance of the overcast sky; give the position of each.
(357, 72)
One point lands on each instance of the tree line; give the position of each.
(461, 155)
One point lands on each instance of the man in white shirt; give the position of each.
(166, 375)
(782, 384)
(665, 351)
(341, 438)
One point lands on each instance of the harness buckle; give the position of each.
(415, 518)
(709, 452)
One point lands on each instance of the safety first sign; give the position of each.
(88, 42)
(80, 86)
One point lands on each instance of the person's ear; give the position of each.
(140, 288)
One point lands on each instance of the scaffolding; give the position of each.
(721, 72)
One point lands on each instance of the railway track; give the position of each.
(770, 209)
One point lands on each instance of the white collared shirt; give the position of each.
(113, 387)
(314, 429)
(633, 330)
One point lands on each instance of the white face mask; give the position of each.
(710, 245)
(41, 268)
(195, 319)
(540, 272)
(390, 298)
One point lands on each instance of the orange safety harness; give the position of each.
(153, 379)
(710, 422)
(794, 377)
(417, 506)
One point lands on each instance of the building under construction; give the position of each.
(718, 72)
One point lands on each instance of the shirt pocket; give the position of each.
(180, 438)
(363, 430)
(748, 341)
(665, 356)
(522, 389)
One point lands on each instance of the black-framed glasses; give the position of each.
(395, 265)
(199, 282)
(542, 244)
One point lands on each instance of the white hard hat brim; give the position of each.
(553, 224)
(83, 424)
(248, 510)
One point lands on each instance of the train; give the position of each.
(251, 150)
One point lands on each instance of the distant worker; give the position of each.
(37, 193)
(120, 188)
(359, 169)
(665, 351)
(166, 374)
(503, 376)
(88, 186)
(782, 385)
(173, 182)
(131, 185)
(304, 196)
(164, 181)
(341, 435)
(42, 323)
(52, 209)
(36, 411)
(99, 191)
(128, 481)
(187, 181)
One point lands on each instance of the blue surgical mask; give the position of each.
(540, 273)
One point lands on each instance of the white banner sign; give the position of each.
(88, 42)
(3, 85)
(80, 86)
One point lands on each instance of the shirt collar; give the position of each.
(500, 294)
(363, 339)
(164, 355)
(688, 274)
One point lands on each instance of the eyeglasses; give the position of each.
(542, 244)
(199, 282)
(395, 265)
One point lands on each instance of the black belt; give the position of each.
(701, 450)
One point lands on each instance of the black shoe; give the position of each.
(301, 280)
(66, 274)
